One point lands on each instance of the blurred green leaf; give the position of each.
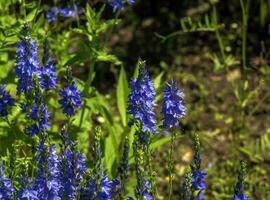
(122, 91)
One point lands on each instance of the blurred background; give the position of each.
(217, 51)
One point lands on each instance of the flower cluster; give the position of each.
(6, 101)
(47, 78)
(47, 182)
(172, 106)
(66, 12)
(27, 190)
(70, 99)
(145, 193)
(99, 186)
(73, 167)
(119, 4)
(101, 189)
(198, 176)
(141, 102)
(40, 116)
(27, 67)
(5, 185)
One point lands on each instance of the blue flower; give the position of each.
(6, 101)
(5, 185)
(172, 105)
(67, 12)
(80, 168)
(51, 15)
(29, 194)
(40, 182)
(116, 5)
(47, 179)
(70, 99)
(141, 102)
(53, 182)
(26, 191)
(239, 197)
(107, 188)
(198, 176)
(40, 116)
(26, 64)
(72, 169)
(198, 181)
(130, 2)
(47, 78)
(119, 4)
(146, 191)
(103, 189)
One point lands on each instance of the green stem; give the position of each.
(218, 36)
(171, 164)
(245, 9)
(86, 89)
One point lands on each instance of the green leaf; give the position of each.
(162, 141)
(122, 95)
(103, 56)
(157, 81)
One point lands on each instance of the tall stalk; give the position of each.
(245, 13)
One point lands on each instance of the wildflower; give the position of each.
(5, 185)
(6, 101)
(186, 188)
(98, 185)
(40, 116)
(26, 191)
(198, 176)
(47, 179)
(141, 102)
(26, 62)
(130, 2)
(47, 78)
(116, 5)
(72, 169)
(119, 4)
(53, 182)
(51, 15)
(172, 107)
(67, 12)
(239, 187)
(70, 99)
(145, 193)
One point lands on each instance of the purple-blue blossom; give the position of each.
(67, 12)
(70, 99)
(41, 119)
(141, 102)
(27, 65)
(119, 4)
(116, 5)
(26, 191)
(145, 194)
(47, 78)
(103, 189)
(53, 181)
(47, 181)
(5, 185)
(6, 101)
(172, 105)
(72, 169)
